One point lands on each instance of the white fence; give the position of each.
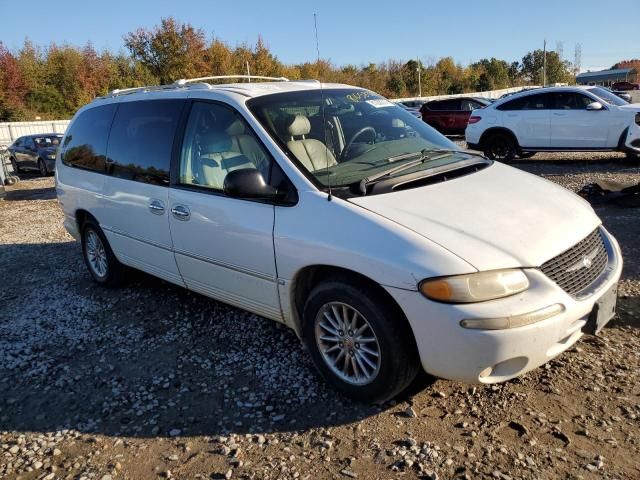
(9, 131)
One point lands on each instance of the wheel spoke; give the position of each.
(347, 343)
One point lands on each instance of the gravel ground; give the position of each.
(152, 381)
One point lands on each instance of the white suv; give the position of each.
(555, 119)
(341, 215)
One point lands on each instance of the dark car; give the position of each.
(35, 152)
(624, 86)
(413, 111)
(450, 116)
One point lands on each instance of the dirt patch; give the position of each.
(152, 381)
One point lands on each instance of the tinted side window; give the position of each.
(541, 101)
(571, 101)
(141, 139)
(85, 145)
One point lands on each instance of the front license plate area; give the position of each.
(603, 311)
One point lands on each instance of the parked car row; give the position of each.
(336, 212)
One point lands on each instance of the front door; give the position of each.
(573, 126)
(136, 193)
(223, 246)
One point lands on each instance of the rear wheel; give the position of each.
(360, 344)
(42, 168)
(102, 264)
(501, 147)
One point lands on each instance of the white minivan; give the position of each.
(334, 211)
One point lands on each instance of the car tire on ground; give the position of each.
(14, 165)
(501, 147)
(42, 168)
(632, 156)
(101, 262)
(360, 343)
(526, 154)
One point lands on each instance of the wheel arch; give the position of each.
(493, 130)
(308, 277)
(82, 216)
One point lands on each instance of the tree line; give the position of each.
(52, 82)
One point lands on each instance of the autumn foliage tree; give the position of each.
(54, 81)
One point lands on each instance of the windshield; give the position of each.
(48, 141)
(607, 96)
(358, 135)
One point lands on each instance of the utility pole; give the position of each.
(248, 72)
(544, 64)
(419, 78)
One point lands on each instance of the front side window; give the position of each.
(217, 140)
(85, 145)
(339, 137)
(539, 101)
(141, 140)
(571, 101)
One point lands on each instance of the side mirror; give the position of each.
(248, 183)
(595, 106)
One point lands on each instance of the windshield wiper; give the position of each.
(423, 155)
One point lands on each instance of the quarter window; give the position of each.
(141, 140)
(85, 144)
(217, 141)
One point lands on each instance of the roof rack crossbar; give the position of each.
(184, 81)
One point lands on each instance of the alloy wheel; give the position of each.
(96, 254)
(347, 343)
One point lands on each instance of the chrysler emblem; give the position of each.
(585, 262)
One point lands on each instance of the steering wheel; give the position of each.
(343, 155)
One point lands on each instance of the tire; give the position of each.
(633, 157)
(384, 331)
(526, 154)
(42, 168)
(102, 264)
(501, 147)
(14, 165)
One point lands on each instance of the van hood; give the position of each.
(499, 217)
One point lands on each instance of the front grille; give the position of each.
(577, 268)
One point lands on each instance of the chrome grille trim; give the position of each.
(568, 271)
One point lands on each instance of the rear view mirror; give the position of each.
(248, 183)
(595, 106)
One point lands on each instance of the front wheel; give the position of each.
(360, 343)
(632, 156)
(526, 154)
(500, 147)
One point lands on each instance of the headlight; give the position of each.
(51, 156)
(475, 287)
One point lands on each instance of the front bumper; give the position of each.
(51, 164)
(489, 356)
(632, 140)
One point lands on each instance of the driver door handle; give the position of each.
(181, 212)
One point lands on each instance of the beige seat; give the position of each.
(312, 153)
(217, 159)
(246, 144)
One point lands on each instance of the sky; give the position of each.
(350, 31)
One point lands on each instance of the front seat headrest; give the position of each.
(236, 128)
(299, 126)
(215, 142)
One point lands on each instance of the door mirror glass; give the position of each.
(248, 183)
(595, 106)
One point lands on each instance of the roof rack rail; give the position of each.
(148, 88)
(184, 81)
